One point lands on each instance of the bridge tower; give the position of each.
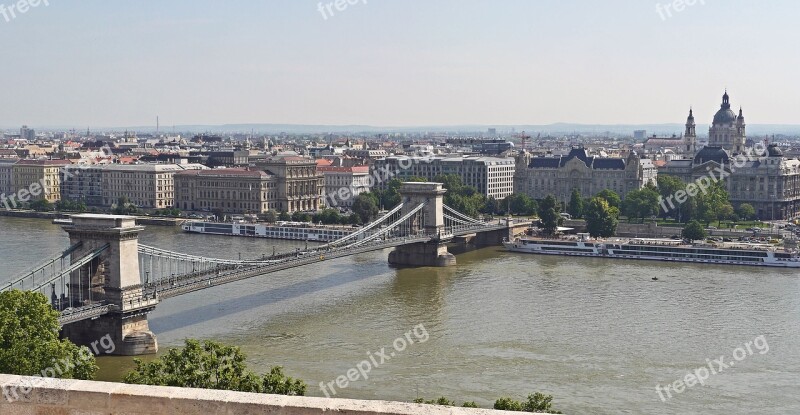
(112, 279)
(426, 254)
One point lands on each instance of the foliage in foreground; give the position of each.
(29, 343)
(211, 365)
(537, 402)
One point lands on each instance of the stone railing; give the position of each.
(55, 396)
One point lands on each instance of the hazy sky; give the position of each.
(396, 63)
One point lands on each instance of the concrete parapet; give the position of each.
(68, 397)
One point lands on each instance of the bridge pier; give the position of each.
(424, 254)
(111, 279)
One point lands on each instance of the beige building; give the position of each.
(28, 175)
(491, 176)
(227, 190)
(344, 184)
(148, 186)
(539, 177)
(299, 184)
(7, 175)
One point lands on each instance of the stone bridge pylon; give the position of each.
(112, 279)
(427, 254)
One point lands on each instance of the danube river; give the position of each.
(598, 335)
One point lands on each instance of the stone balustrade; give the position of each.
(79, 397)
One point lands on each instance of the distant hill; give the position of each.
(557, 128)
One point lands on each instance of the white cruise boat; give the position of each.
(298, 231)
(660, 250)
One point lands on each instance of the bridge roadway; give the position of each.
(172, 287)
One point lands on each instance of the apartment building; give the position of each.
(491, 176)
(343, 184)
(299, 184)
(28, 174)
(236, 190)
(148, 186)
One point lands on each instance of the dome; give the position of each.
(709, 153)
(774, 151)
(724, 116)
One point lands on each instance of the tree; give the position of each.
(365, 206)
(211, 365)
(714, 204)
(746, 211)
(549, 214)
(668, 187)
(537, 402)
(284, 216)
(41, 205)
(601, 218)
(693, 231)
(270, 216)
(520, 204)
(29, 343)
(640, 203)
(611, 197)
(575, 206)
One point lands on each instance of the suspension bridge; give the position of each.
(105, 282)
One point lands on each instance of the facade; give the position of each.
(235, 190)
(82, 183)
(299, 184)
(539, 177)
(770, 182)
(148, 186)
(343, 184)
(491, 176)
(27, 173)
(7, 176)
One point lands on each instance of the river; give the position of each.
(598, 335)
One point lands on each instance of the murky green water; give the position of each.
(597, 334)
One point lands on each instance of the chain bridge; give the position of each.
(105, 282)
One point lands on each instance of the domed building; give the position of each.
(727, 130)
(768, 181)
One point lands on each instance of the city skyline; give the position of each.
(396, 65)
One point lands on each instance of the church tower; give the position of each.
(690, 137)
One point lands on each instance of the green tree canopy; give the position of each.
(746, 211)
(365, 206)
(575, 206)
(601, 218)
(29, 342)
(714, 204)
(550, 214)
(211, 365)
(693, 231)
(611, 197)
(640, 203)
